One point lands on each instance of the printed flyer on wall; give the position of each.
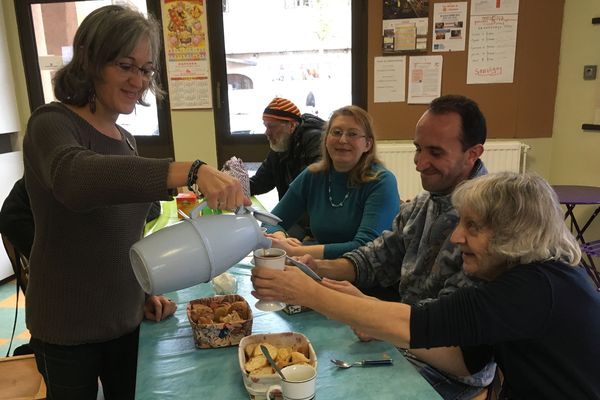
(184, 23)
(424, 79)
(492, 41)
(405, 25)
(450, 24)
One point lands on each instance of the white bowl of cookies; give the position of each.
(285, 348)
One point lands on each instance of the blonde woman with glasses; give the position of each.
(349, 195)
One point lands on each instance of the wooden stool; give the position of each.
(20, 379)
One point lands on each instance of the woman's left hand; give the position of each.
(290, 245)
(158, 308)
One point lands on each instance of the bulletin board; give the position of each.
(522, 109)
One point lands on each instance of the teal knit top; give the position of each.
(341, 217)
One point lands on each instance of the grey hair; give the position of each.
(105, 35)
(524, 214)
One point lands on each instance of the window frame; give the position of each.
(160, 146)
(252, 147)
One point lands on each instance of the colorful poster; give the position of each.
(405, 25)
(450, 24)
(186, 51)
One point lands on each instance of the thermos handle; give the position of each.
(197, 210)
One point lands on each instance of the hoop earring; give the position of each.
(92, 101)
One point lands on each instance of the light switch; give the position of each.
(589, 72)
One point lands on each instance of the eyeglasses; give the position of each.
(128, 68)
(350, 135)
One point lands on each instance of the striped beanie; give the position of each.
(280, 108)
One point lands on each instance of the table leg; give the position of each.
(573, 221)
(589, 221)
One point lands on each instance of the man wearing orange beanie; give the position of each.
(295, 141)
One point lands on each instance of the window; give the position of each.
(298, 3)
(312, 52)
(46, 31)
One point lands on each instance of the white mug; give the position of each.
(269, 258)
(299, 383)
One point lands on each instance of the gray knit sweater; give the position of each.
(90, 195)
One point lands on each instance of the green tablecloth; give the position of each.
(170, 367)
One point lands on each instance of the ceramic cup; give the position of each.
(299, 383)
(269, 258)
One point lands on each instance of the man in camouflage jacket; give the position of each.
(430, 266)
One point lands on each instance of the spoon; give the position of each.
(271, 361)
(363, 363)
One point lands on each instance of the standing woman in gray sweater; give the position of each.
(90, 193)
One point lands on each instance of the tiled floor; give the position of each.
(8, 297)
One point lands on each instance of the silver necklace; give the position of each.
(341, 203)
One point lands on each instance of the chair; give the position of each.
(591, 249)
(20, 379)
(19, 262)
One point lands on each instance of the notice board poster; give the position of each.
(186, 51)
(405, 26)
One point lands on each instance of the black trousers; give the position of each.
(72, 372)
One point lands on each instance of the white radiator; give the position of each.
(509, 155)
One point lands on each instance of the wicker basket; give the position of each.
(219, 334)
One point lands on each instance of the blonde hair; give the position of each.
(363, 171)
(524, 214)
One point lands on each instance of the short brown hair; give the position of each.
(106, 34)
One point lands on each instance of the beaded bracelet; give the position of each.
(193, 174)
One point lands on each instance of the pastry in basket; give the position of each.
(220, 312)
(232, 317)
(219, 321)
(201, 312)
(241, 307)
